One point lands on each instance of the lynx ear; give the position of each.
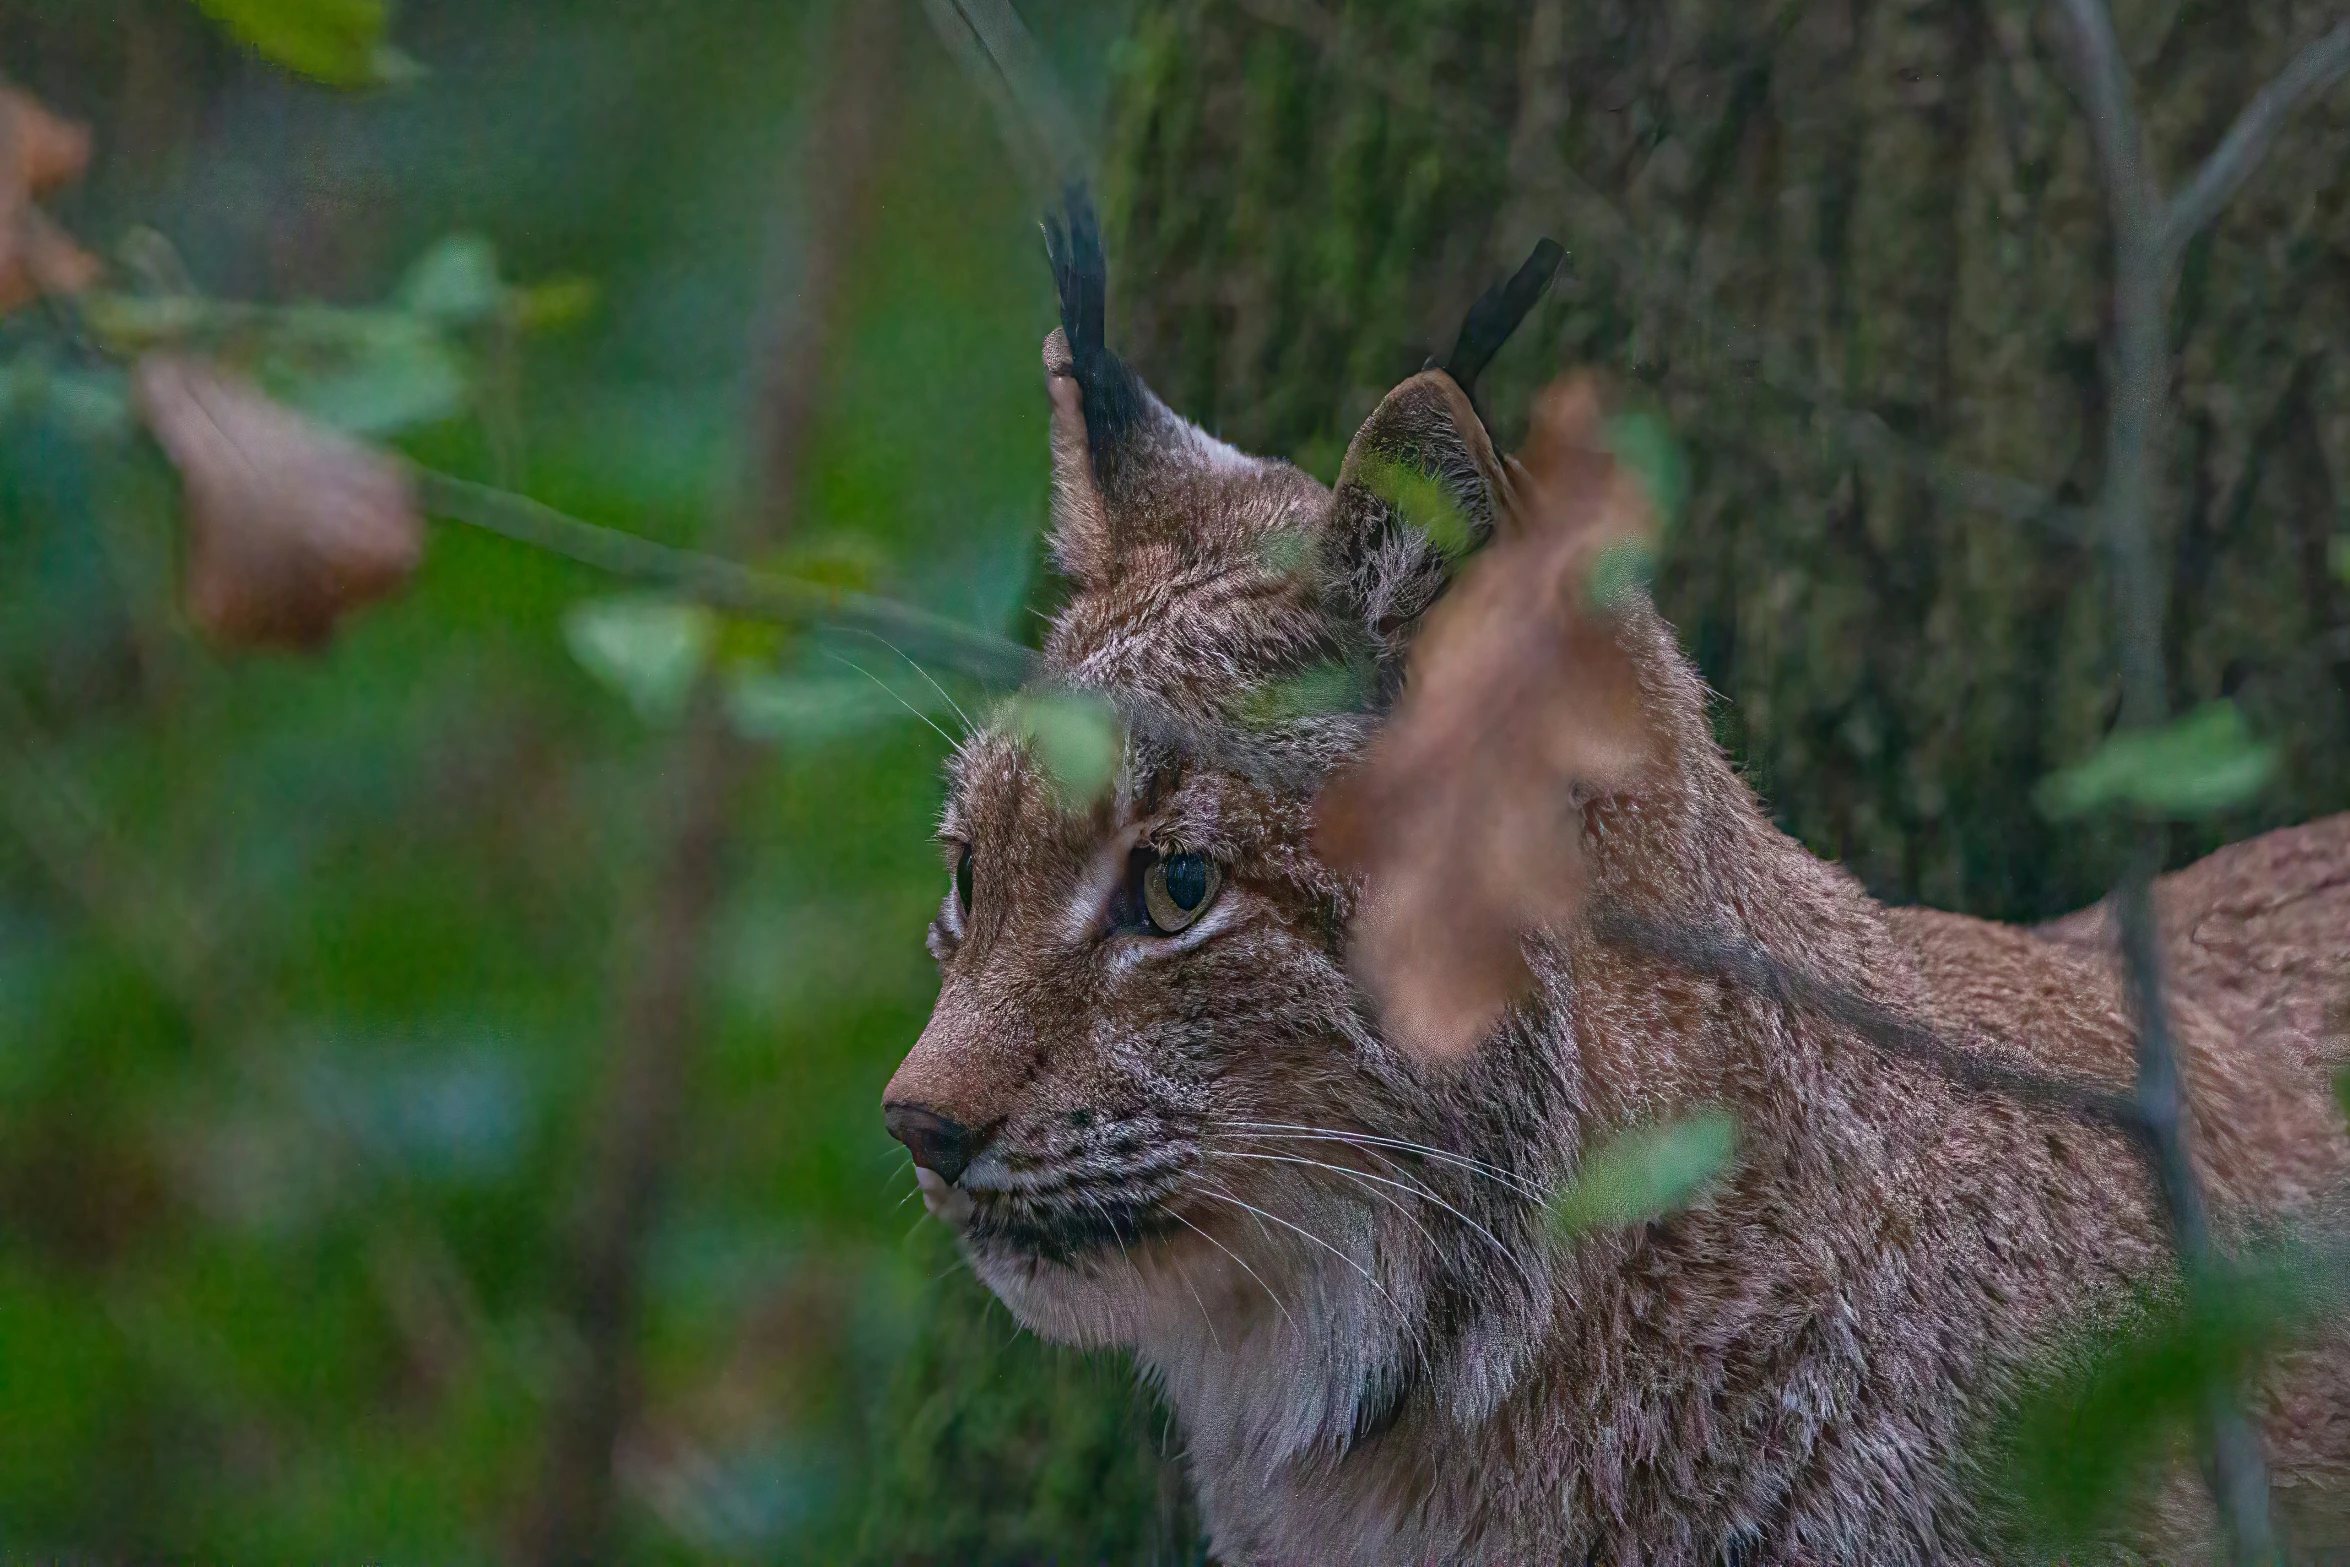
(1421, 487)
(1113, 440)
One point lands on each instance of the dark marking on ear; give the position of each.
(1496, 315)
(1110, 391)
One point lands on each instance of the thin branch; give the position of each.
(159, 927)
(2141, 362)
(2143, 276)
(2240, 152)
(724, 584)
(2239, 1477)
(1722, 954)
(1867, 434)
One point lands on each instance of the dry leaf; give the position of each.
(44, 150)
(37, 151)
(290, 525)
(37, 257)
(1465, 815)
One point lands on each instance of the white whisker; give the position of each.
(919, 670)
(893, 693)
(1372, 1139)
(1225, 1196)
(1205, 1320)
(1242, 1261)
(1409, 1187)
(1337, 1169)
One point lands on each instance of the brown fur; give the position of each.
(1330, 1255)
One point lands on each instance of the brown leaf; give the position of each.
(44, 151)
(37, 151)
(290, 525)
(1521, 704)
(37, 257)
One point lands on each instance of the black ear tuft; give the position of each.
(1111, 392)
(1496, 315)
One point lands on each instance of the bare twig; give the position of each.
(2312, 71)
(159, 927)
(2148, 238)
(724, 584)
(631, 1141)
(1866, 433)
(2141, 359)
(657, 1017)
(1734, 959)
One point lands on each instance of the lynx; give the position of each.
(1161, 1115)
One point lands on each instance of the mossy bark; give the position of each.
(1855, 252)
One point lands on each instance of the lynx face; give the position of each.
(1148, 1080)
(1127, 985)
(1121, 994)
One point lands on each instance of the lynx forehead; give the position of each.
(1160, 1115)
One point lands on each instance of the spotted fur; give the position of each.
(1332, 1258)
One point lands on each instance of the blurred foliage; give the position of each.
(1009, 1452)
(1074, 736)
(305, 964)
(339, 42)
(2084, 1447)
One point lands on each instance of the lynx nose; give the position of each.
(937, 1144)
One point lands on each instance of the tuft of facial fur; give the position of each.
(1331, 1255)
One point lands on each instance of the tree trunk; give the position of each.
(1854, 252)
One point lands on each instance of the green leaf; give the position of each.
(2339, 553)
(1645, 1172)
(1329, 687)
(1074, 735)
(552, 305)
(454, 283)
(2194, 766)
(849, 562)
(376, 373)
(1286, 551)
(648, 650)
(338, 42)
(1644, 443)
(814, 708)
(1623, 571)
(1421, 502)
(2084, 1444)
(89, 404)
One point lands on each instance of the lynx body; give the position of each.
(1162, 1116)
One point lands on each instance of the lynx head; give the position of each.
(1146, 1039)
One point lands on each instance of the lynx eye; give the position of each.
(1177, 889)
(963, 882)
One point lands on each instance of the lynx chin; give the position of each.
(1161, 1114)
